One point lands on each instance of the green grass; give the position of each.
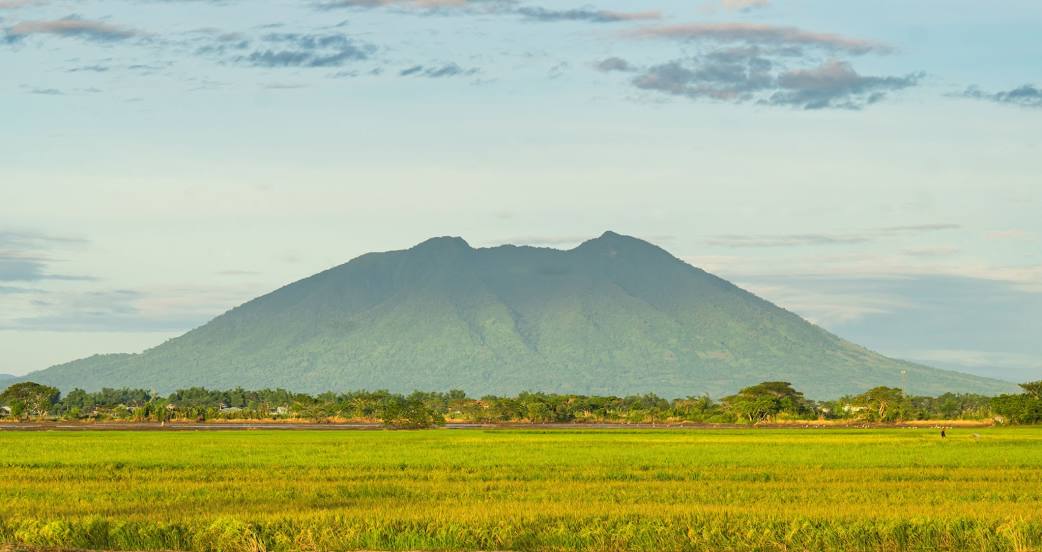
(900, 489)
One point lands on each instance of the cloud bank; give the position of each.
(762, 64)
(585, 14)
(1025, 96)
(72, 26)
(761, 35)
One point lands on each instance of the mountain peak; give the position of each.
(610, 238)
(615, 243)
(444, 243)
(609, 235)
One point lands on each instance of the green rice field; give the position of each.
(785, 490)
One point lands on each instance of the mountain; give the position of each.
(4, 379)
(615, 315)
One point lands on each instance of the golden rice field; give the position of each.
(785, 490)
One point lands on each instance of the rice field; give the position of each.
(785, 490)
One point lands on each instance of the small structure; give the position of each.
(5, 411)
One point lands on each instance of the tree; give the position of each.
(1033, 389)
(1025, 408)
(410, 413)
(36, 399)
(765, 401)
(694, 409)
(886, 404)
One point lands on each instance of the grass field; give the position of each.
(900, 489)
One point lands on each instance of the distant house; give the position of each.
(279, 411)
(5, 411)
(230, 410)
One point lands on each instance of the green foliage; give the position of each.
(764, 402)
(615, 315)
(30, 398)
(1025, 408)
(412, 412)
(1033, 389)
(883, 404)
(740, 490)
(767, 401)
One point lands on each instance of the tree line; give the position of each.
(765, 402)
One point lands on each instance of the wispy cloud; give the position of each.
(786, 240)
(162, 309)
(72, 26)
(437, 71)
(94, 68)
(46, 92)
(722, 76)
(304, 50)
(1025, 278)
(823, 303)
(379, 3)
(15, 4)
(1011, 234)
(930, 252)
(1011, 366)
(764, 64)
(835, 84)
(501, 7)
(917, 228)
(424, 6)
(744, 5)
(38, 298)
(1025, 96)
(614, 64)
(27, 256)
(20, 240)
(760, 34)
(818, 239)
(585, 14)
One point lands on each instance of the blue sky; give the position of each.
(872, 166)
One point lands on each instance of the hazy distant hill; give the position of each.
(615, 315)
(4, 379)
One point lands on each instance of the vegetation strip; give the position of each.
(768, 402)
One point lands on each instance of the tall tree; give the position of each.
(36, 399)
(883, 402)
(765, 401)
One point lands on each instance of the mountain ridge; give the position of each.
(613, 315)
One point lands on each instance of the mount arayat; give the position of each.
(615, 315)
